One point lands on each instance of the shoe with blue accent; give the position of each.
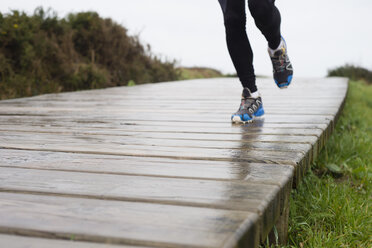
(282, 67)
(250, 108)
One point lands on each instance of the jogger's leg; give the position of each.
(267, 19)
(237, 41)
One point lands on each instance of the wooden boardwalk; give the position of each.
(157, 165)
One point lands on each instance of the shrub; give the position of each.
(42, 53)
(355, 73)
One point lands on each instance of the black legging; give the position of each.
(267, 19)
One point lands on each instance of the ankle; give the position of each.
(255, 94)
(276, 44)
(272, 51)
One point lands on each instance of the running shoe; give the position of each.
(282, 67)
(250, 108)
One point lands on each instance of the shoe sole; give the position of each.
(284, 85)
(236, 119)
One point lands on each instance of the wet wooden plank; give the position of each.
(123, 100)
(196, 111)
(163, 104)
(130, 223)
(153, 107)
(156, 139)
(176, 109)
(178, 145)
(203, 101)
(200, 116)
(125, 130)
(275, 174)
(263, 199)
(187, 132)
(110, 123)
(135, 140)
(300, 159)
(17, 241)
(232, 195)
(268, 156)
(265, 174)
(181, 127)
(175, 153)
(222, 87)
(224, 91)
(229, 150)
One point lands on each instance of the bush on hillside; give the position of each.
(198, 72)
(355, 73)
(43, 53)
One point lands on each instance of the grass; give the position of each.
(198, 72)
(331, 208)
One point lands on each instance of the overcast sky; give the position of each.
(320, 34)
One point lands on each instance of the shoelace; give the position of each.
(279, 62)
(247, 103)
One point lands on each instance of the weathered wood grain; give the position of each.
(232, 195)
(253, 196)
(136, 129)
(276, 174)
(208, 117)
(224, 88)
(254, 174)
(154, 148)
(16, 241)
(153, 107)
(129, 223)
(109, 122)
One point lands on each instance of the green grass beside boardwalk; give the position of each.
(331, 208)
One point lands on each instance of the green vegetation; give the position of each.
(43, 53)
(331, 208)
(46, 54)
(355, 73)
(198, 72)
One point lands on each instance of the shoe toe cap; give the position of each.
(241, 118)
